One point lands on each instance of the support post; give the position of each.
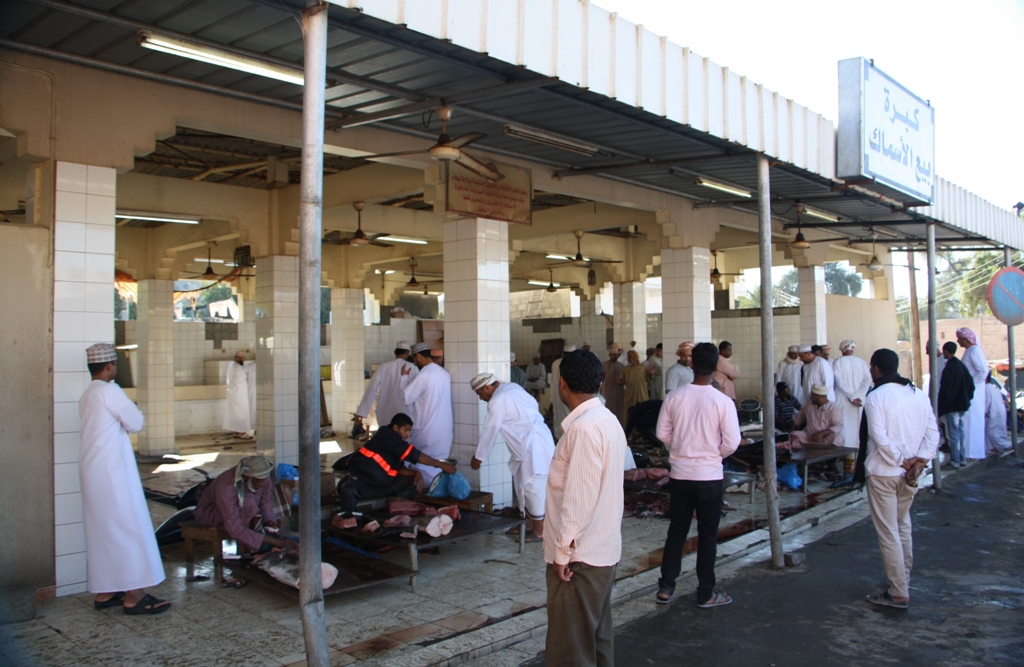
(933, 335)
(764, 228)
(311, 594)
(915, 324)
(1012, 359)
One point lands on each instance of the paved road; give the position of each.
(967, 595)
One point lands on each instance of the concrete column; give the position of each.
(347, 355)
(685, 295)
(630, 319)
(155, 372)
(813, 323)
(277, 356)
(476, 338)
(83, 314)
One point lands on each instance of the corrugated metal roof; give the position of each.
(653, 102)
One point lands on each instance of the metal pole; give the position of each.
(915, 322)
(311, 594)
(764, 228)
(933, 336)
(1012, 358)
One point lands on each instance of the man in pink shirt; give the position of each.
(699, 426)
(583, 519)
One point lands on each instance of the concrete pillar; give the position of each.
(155, 366)
(277, 356)
(83, 314)
(813, 323)
(685, 295)
(630, 319)
(476, 338)
(347, 355)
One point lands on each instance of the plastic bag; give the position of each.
(439, 487)
(789, 476)
(449, 486)
(287, 471)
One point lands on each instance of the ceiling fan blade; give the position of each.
(381, 244)
(605, 261)
(559, 264)
(395, 154)
(465, 139)
(479, 168)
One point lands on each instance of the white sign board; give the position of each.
(886, 133)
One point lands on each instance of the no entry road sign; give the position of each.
(1006, 296)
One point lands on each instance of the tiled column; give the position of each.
(277, 356)
(813, 324)
(155, 373)
(630, 320)
(83, 305)
(347, 355)
(476, 339)
(685, 295)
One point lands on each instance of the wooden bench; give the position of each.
(192, 532)
(477, 501)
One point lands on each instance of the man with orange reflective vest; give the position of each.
(378, 470)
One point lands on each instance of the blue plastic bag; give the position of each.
(439, 487)
(789, 476)
(287, 471)
(449, 486)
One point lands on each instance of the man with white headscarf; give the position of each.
(518, 375)
(513, 413)
(429, 395)
(238, 411)
(816, 371)
(613, 392)
(122, 558)
(853, 379)
(788, 371)
(974, 418)
(386, 388)
(536, 378)
(240, 502)
(559, 411)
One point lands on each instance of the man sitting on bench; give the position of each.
(377, 469)
(821, 419)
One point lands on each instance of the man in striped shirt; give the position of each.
(582, 532)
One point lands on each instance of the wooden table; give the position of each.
(472, 524)
(818, 453)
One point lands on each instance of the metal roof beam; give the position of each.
(430, 104)
(855, 223)
(652, 164)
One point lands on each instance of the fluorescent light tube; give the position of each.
(552, 140)
(401, 239)
(541, 283)
(722, 187)
(213, 56)
(158, 217)
(821, 214)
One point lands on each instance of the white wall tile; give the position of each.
(70, 569)
(67, 508)
(101, 181)
(70, 207)
(69, 539)
(69, 236)
(72, 177)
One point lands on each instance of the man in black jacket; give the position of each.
(956, 389)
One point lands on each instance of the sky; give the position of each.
(967, 58)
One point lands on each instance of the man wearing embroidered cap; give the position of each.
(788, 371)
(513, 413)
(853, 380)
(821, 419)
(974, 418)
(815, 371)
(122, 558)
(378, 468)
(241, 503)
(386, 388)
(429, 394)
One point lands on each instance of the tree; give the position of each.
(842, 281)
(325, 305)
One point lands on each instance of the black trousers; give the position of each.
(687, 497)
(352, 489)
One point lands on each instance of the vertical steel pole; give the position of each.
(764, 228)
(915, 322)
(933, 335)
(311, 594)
(1012, 359)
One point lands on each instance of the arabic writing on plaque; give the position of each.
(508, 199)
(900, 130)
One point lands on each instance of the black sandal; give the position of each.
(148, 605)
(115, 601)
(665, 593)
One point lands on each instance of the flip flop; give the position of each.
(233, 583)
(663, 590)
(531, 538)
(717, 600)
(886, 600)
(116, 601)
(148, 605)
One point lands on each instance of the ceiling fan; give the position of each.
(799, 242)
(448, 149)
(210, 274)
(873, 264)
(581, 261)
(716, 275)
(413, 282)
(551, 283)
(359, 237)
